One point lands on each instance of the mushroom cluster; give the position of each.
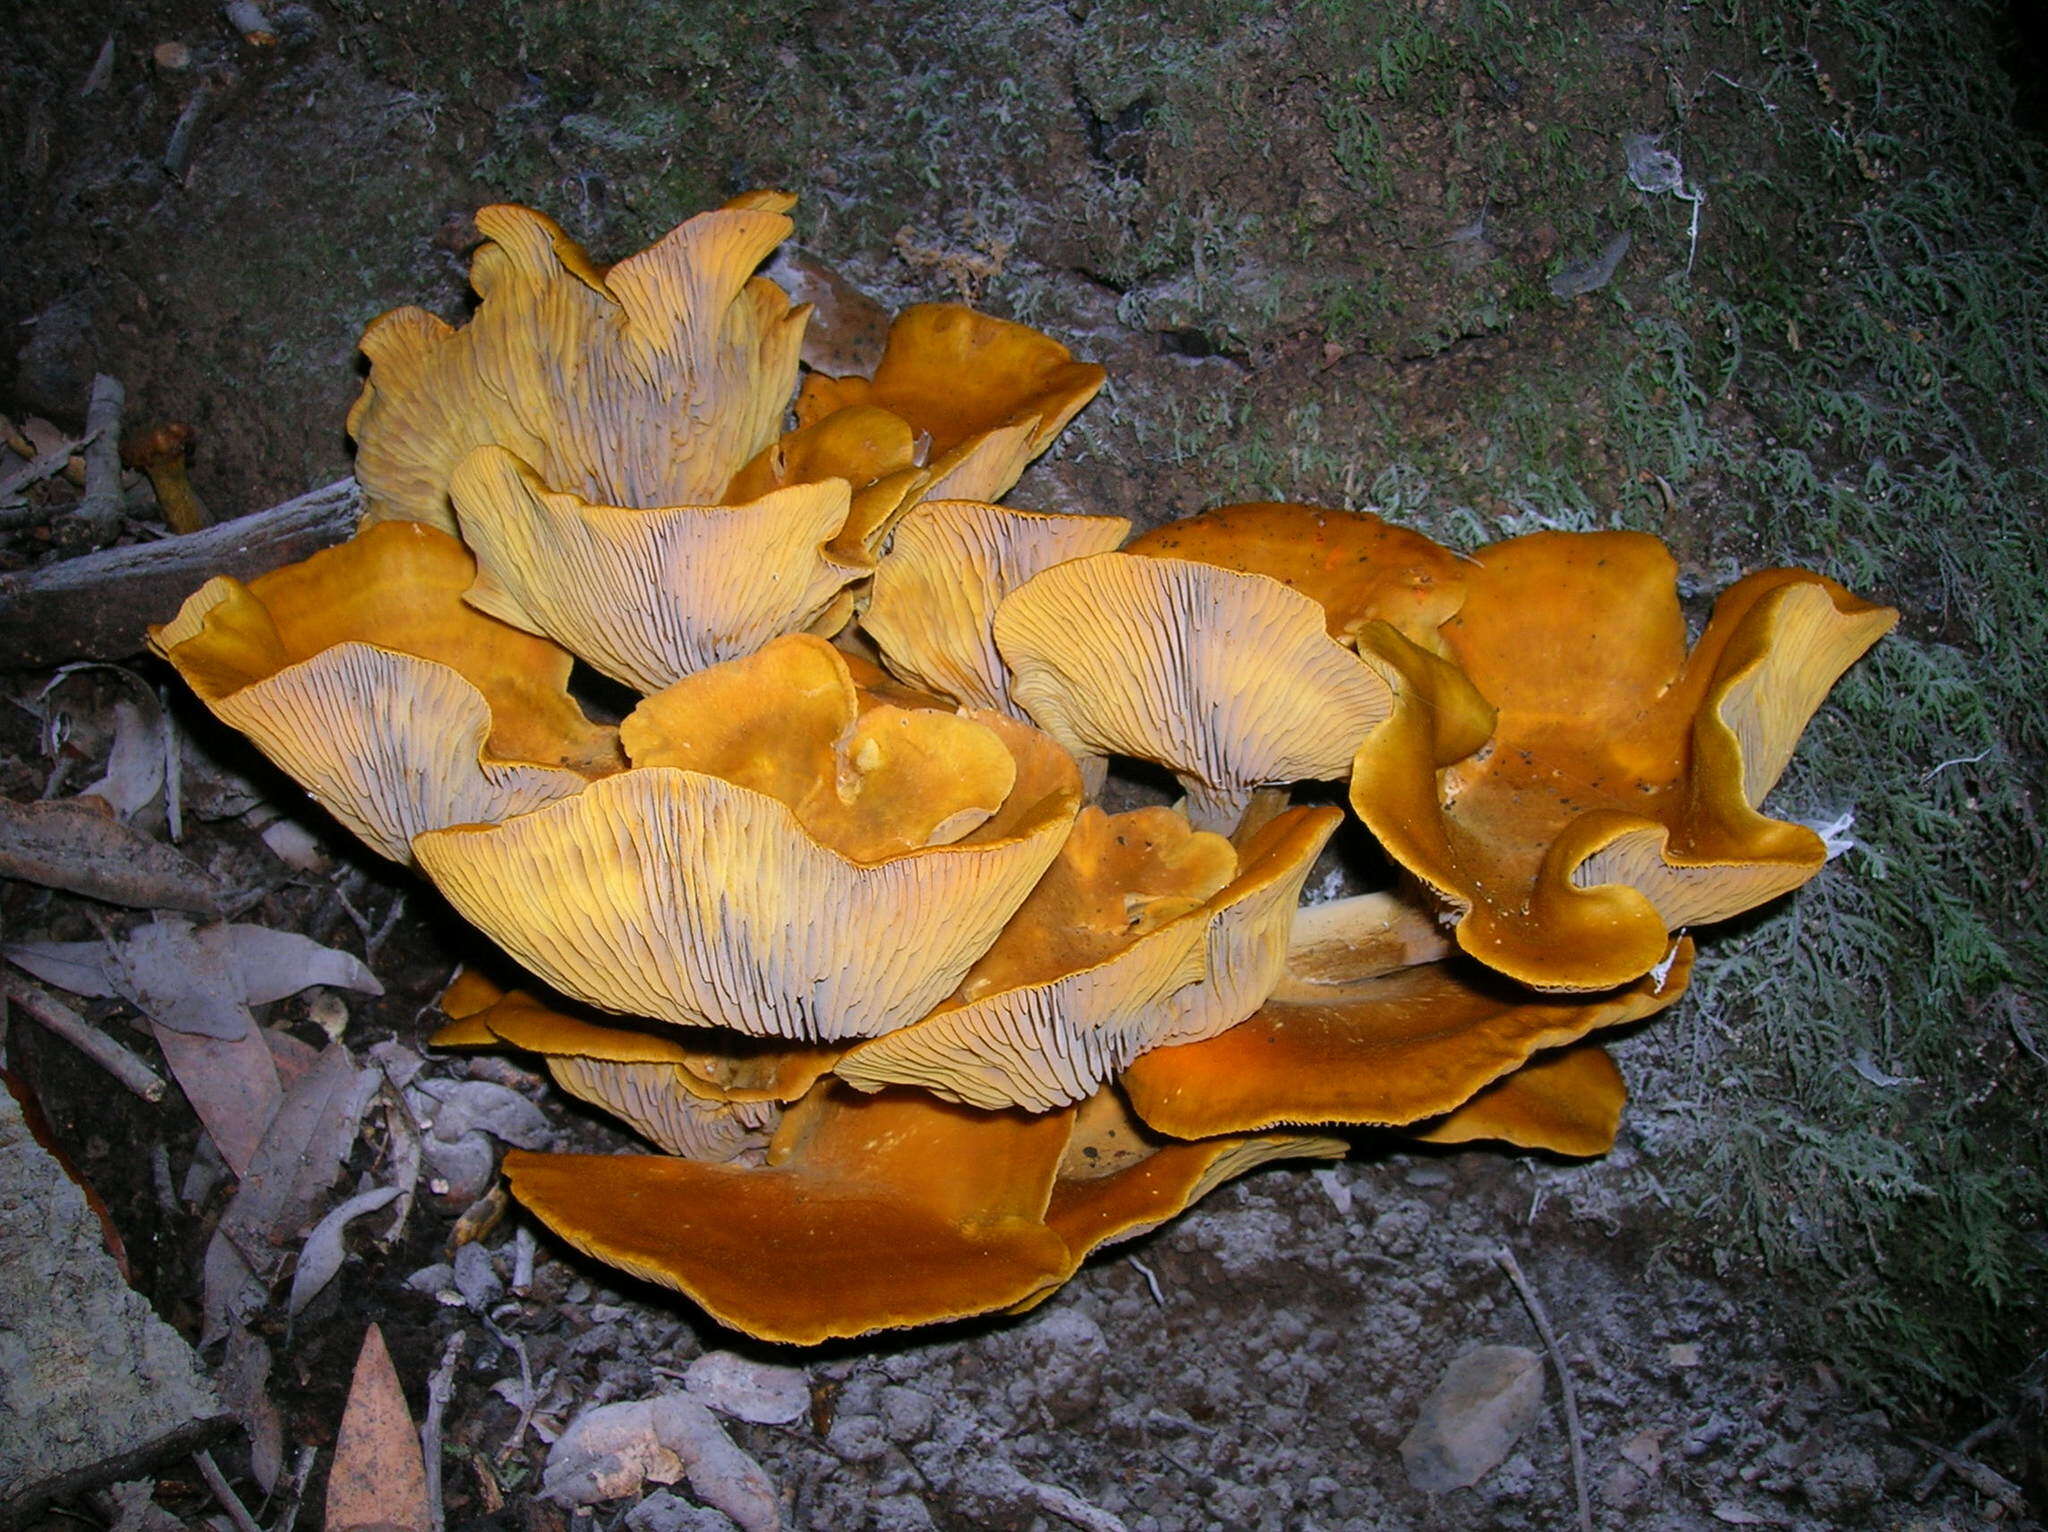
(829, 917)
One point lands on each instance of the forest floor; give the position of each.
(1767, 282)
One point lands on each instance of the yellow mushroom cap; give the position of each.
(986, 394)
(647, 384)
(1142, 934)
(649, 596)
(399, 708)
(667, 893)
(1617, 799)
(950, 564)
(1229, 680)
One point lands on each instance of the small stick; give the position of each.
(1963, 1448)
(295, 1490)
(230, 1502)
(100, 506)
(84, 1036)
(1513, 1268)
(1151, 1281)
(1985, 1481)
(440, 1387)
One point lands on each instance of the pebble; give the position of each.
(1485, 1400)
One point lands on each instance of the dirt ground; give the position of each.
(1363, 255)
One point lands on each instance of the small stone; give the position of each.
(666, 1511)
(760, 1392)
(172, 57)
(906, 1413)
(1484, 1402)
(1683, 1354)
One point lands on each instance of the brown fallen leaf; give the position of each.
(80, 847)
(379, 1477)
(232, 1084)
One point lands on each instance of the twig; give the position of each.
(1933, 1476)
(84, 1036)
(1985, 1481)
(100, 506)
(295, 1489)
(1150, 1281)
(1574, 1434)
(440, 1386)
(230, 1502)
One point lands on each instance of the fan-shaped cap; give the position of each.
(1229, 680)
(1355, 566)
(867, 777)
(649, 596)
(1143, 933)
(989, 395)
(1617, 800)
(674, 1089)
(1413, 1044)
(648, 384)
(874, 451)
(671, 894)
(950, 564)
(1567, 1101)
(400, 709)
(873, 1212)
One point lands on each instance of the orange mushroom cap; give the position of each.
(1567, 1101)
(1357, 567)
(1412, 1044)
(1617, 799)
(988, 395)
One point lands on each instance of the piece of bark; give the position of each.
(82, 849)
(101, 606)
(97, 1388)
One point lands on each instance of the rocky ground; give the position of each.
(1368, 255)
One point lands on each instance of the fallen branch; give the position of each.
(1988, 1482)
(98, 607)
(223, 1494)
(1963, 1448)
(84, 1036)
(1573, 1432)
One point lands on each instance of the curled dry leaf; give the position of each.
(325, 1249)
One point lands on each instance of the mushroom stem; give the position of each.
(161, 455)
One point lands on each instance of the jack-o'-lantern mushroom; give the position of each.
(399, 707)
(778, 860)
(1618, 798)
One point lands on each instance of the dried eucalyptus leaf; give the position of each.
(80, 848)
(325, 1248)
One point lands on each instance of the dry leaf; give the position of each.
(612, 1450)
(137, 759)
(308, 1141)
(82, 849)
(233, 1086)
(379, 1477)
(325, 1248)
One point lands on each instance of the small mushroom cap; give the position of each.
(648, 384)
(1143, 933)
(649, 596)
(874, 451)
(988, 394)
(1358, 568)
(871, 782)
(874, 1212)
(399, 708)
(1567, 1101)
(715, 1065)
(950, 564)
(1617, 800)
(671, 894)
(1119, 1179)
(1229, 680)
(1414, 1044)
